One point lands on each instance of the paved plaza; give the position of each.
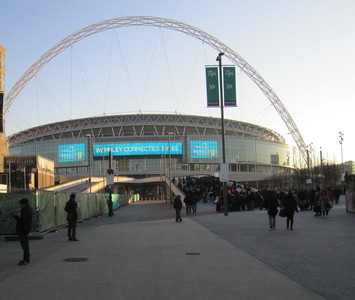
(142, 253)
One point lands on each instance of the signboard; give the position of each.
(25, 160)
(230, 95)
(127, 149)
(212, 86)
(110, 179)
(71, 152)
(203, 149)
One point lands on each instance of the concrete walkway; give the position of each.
(142, 253)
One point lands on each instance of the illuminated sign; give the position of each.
(203, 149)
(71, 152)
(126, 149)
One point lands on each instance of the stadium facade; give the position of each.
(143, 145)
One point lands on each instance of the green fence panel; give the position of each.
(48, 208)
(92, 205)
(83, 210)
(115, 202)
(101, 204)
(61, 199)
(46, 211)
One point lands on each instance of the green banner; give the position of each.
(230, 95)
(212, 86)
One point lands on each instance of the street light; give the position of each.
(309, 162)
(170, 194)
(89, 160)
(341, 147)
(309, 150)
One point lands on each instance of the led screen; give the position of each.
(71, 152)
(126, 149)
(203, 149)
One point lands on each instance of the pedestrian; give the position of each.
(178, 205)
(290, 206)
(272, 204)
(23, 228)
(72, 215)
(259, 200)
(324, 203)
(110, 206)
(188, 203)
(317, 208)
(194, 200)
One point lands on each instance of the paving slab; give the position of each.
(142, 253)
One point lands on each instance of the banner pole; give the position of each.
(225, 199)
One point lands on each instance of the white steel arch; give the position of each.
(168, 24)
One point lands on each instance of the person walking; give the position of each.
(272, 204)
(178, 205)
(324, 203)
(23, 228)
(194, 200)
(72, 216)
(290, 206)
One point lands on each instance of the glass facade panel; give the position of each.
(198, 154)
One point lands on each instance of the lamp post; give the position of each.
(89, 160)
(24, 178)
(309, 150)
(161, 173)
(225, 200)
(341, 148)
(10, 176)
(321, 163)
(170, 194)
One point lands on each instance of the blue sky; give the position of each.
(303, 49)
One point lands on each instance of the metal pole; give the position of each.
(170, 196)
(341, 148)
(308, 162)
(161, 177)
(10, 177)
(24, 178)
(225, 199)
(89, 160)
(321, 164)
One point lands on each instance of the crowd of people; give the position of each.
(207, 189)
(242, 198)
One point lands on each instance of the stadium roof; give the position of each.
(139, 125)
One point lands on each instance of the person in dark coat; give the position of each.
(110, 206)
(178, 205)
(272, 204)
(194, 199)
(23, 228)
(290, 206)
(316, 208)
(188, 202)
(72, 216)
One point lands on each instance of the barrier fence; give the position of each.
(48, 208)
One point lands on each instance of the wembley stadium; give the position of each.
(144, 145)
